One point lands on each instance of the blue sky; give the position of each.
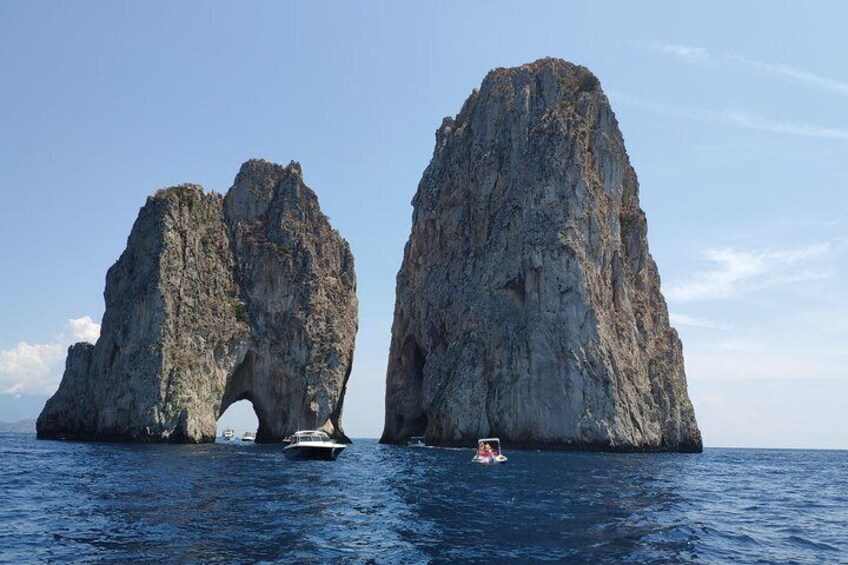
(734, 116)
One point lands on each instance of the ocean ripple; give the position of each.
(243, 503)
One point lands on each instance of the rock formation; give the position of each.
(528, 306)
(217, 299)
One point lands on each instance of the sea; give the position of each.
(235, 502)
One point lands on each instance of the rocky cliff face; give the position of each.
(528, 306)
(216, 300)
(298, 283)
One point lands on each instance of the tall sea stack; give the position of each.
(217, 299)
(528, 306)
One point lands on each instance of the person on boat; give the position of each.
(485, 450)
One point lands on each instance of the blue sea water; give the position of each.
(64, 502)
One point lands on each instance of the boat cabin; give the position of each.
(493, 443)
(309, 436)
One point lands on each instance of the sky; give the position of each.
(734, 116)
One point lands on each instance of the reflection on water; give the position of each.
(235, 502)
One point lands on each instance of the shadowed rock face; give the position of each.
(216, 300)
(528, 306)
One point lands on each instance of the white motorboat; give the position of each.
(489, 452)
(313, 444)
(248, 436)
(416, 441)
(228, 434)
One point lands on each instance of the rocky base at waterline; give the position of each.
(215, 300)
(528, 306)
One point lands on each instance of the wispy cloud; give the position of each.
(37, 368)
(701, 56)
(693, 55)
(665, 109)
(767, 362)
(792, 73)
(751, 121)
(692, 321)
(735, 118)
(813, 223)
(738, 271)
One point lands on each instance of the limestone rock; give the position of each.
(299, 287)
(528, 306)
(216, 300)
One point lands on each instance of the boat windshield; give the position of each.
(493, 444)
(310, 436)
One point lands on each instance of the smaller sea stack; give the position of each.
(215, 300)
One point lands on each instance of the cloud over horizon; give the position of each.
(701, 56)
(37, 368)
(686, 53)
(737, 271)
(695, 322)
(747, 120)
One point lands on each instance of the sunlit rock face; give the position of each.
(528, 306)
(217, 299)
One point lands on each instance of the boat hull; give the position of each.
(490, 460)
(315, 453)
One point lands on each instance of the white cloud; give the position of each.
(825, 321)
(739, 271)
(694, 55)
(813, 223)
(700, 56)
(718, 406)
(684, 320)
(792, 73)
(751, 121)
(736, 118)
(762, 361)
(37, 368)
(81, 329)
(805, 413)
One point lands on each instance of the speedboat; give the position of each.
(248, 436)
(228, 434)
(312, 444)
(489, 452)
(416, 441)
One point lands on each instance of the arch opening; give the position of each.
(240, 417)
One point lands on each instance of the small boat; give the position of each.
(312, 444)
(228, 434)
(416, 441)
(248, 436)
(489, 452)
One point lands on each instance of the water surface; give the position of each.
(244, 503)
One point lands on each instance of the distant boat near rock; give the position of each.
(228, 434)
(489, 452)
(416, 441)
(248, 436)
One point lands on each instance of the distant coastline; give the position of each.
(19, 427)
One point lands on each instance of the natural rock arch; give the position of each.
(215, 299)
